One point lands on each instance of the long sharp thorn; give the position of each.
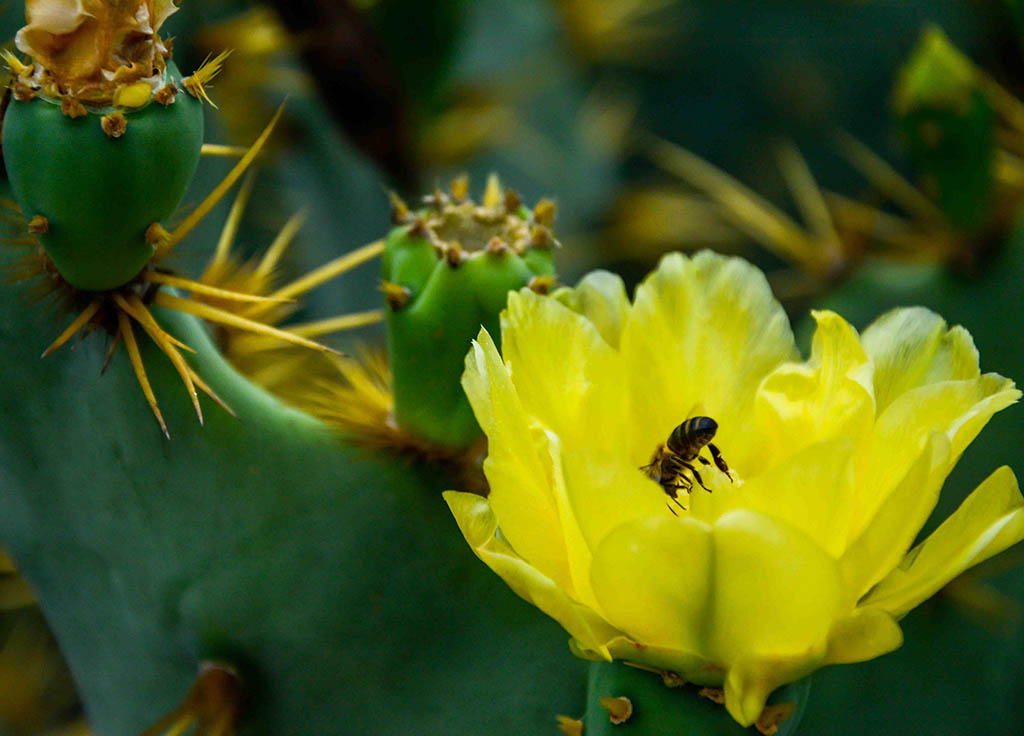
(747, 210)
(217, 149)
(140, 313)
(194, 217)
(338, 324)
(110, 353)
(281, 243)
(160, 338)
(80, 321)
(230, 230)
(327, 272)
(223, 317)
(125, 329)
(167, 343)
(198, 287)
(205, 388)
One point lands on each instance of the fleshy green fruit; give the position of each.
(447, 274)
(99, 194)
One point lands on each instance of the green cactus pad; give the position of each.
(453, 265)
(333, 578)
(99, 194)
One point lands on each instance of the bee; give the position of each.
(672, 466)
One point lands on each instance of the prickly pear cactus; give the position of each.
(214, 575)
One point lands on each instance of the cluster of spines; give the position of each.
(521, 229)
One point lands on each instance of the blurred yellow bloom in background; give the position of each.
(803, 558)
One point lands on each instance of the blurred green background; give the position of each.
(576, 99)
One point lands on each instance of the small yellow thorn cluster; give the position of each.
(208, 70)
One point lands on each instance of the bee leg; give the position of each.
(669, 505)
(719, 460)
(677, 502)
(672, 491)
(696, 475)
(703, 460)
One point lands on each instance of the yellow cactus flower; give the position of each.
(801, 555)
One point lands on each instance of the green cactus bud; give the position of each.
(628, 701)
(447, 270)
(948, 127)
(94, 179)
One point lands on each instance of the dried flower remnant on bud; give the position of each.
(72, 108)
(90, 49)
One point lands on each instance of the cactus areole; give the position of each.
(97, 151)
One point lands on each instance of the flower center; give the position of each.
(672, 465)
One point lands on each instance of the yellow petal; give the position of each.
(577, 550)
(749, 683)
(732, 594)
(565, 374)
(987, 522)
(479, 526)
(827, 397)
(913, 347)
(763, 574)
(605, 493)
(702, 334)
(600, 297)
(958, 409)
(518, 474)
(653, 577)
(865, 634)
(812, 491)
(878, 548)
